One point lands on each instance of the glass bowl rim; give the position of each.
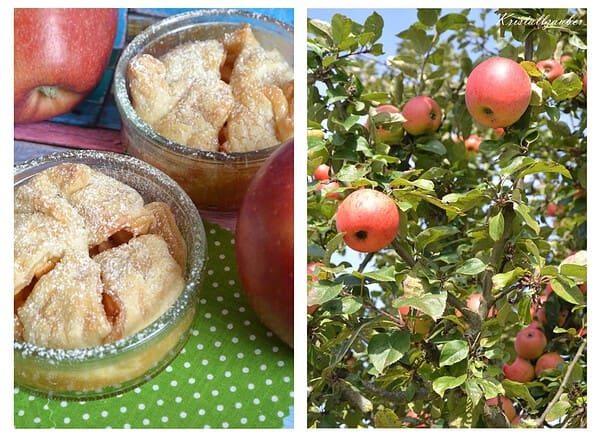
(194, 271)
(147, 36)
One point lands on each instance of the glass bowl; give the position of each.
(101, 371)
(217, 181)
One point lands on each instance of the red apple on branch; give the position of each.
(264, 243)
(423, 115)
(60, 56)
(550, 68)
(389, 135)
(498, 92)
(369, 218)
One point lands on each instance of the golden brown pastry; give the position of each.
(93, 263)
(231, 96)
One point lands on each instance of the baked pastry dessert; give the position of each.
(230, 95)
(92, 262)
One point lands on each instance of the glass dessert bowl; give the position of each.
(216, 180)
(111, 367)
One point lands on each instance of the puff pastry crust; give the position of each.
(92, 262)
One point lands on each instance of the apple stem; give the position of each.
(48, 91)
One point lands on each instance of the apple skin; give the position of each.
(388, 135)
(369, 218)
(61, 51)
(264, 243)
(530, 342)
(321, 172)
(507, 406)
(328, 187)
(423, 115)
(498, 92)
(547, 361)
(520, 370)
(550, 68)
(312, 275)
(472, 142)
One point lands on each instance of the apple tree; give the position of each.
(491, 241)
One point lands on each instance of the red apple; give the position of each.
(507, 406)
(328, 187)
(423, 115)
(520, 370)
(530, 342)
(389, 135)
(369, 218)
(552, 209)
(498, 92)
(547, 361)
(472, 142)
(60, 56)
(321, 172)
(264, 243)
(550, 68)
(584, 80)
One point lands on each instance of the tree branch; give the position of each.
(561, 388)
(403, 253)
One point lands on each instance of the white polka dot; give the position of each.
(220, 407)
(245, 370)
(183, 414)
(217, 344)
(263, 367)
(227, 268)
(201, 412)
(215, 393)
(215, 284)
(258, 351)
(178, 400)
(243, 420)
(274, 398)
(21, 412)
(67, 420)
(240, 355)
(37, 420)
(280, 363)
(63, 404)
(191, 380)
(123, 409)
(197, 395)
(238, 405)
(242, 309)
(187, 365)
(227, 374)
(235, 340)
(165, 419)
(212, 328)
(204, 362)
(256, 401)
(209, 376)
(225, 425)
(169, 368)
(232, 389)
(220, 298)
(222, 358)
(160, 402)
(252, 337)
(268, 382)
(224, 312)
(275, 349)
(104, 414)
(141, 406)
(207, 315)
(250, 386)
(173, 383)
(200, 347)
(261, 418)
(217, 243)
(145, 421)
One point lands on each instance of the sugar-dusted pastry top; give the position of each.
(92, 262)
(230, 95)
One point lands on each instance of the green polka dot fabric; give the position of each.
(232, 373)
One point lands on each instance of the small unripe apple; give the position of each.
(530, 342)
(547, 361)
(520, 370)
(369, 219)
(423, 115)
(498, 92)
(550, 68)
(552, 209)
(321, 172)
(472, 142)
(507, 406)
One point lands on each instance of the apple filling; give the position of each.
(93, 263)
(228, 95)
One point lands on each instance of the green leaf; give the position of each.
(428, 16)
(471, 267)
(433, 234)
(453, 352)
(386, 274)
(442, 384)
(424, 184)
(323, 291)
(571, 294)
(496, 227)
(341, 27)
(514, 389)
(502, 280)
(387, 348)
(432, 305)
(374, 25)
(524, 212)
(433, 146)
(420, 40)
(566, 86)
(451, 21)
(545, 167)
(387, 418)
(531, 69)
(577, 272)
(558, 410)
